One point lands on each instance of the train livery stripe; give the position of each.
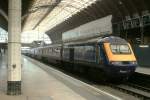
(118, 57)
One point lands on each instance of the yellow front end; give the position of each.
(118, 57)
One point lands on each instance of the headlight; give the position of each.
(134, 62)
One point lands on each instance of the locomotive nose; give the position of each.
(117, 53)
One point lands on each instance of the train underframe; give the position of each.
(99, 73)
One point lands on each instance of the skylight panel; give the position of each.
(64, 10)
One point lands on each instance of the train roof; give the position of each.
(51, 45)
(110, 39)
(113, 39)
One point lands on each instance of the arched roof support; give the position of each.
(4, 14)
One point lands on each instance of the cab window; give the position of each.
(120, 49)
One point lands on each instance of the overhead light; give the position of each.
(120, 2)
(144, 46)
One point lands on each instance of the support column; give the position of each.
(14, 48)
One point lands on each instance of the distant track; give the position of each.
(132, 91)
(139, 87)
(139, 79)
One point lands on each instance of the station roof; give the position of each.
(58, 16)
(53, 12)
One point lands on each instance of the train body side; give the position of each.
(96, 55)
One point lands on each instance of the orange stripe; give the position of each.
(118, 57)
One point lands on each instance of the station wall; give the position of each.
(91, 29)
(142, 53)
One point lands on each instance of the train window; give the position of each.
(85, 53)
(66, 53)
(120, 49)
(46, 51)
(128, 24)
(49, 50)
(146, 20)
(136, 22)
(57, 50)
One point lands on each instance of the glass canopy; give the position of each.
(26, 37)
(45, 18)
(3, 36)
(30, 36)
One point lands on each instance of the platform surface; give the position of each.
(143, 70)
(40, 82)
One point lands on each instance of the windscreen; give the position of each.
(120, 49)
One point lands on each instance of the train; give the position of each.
(108, 58)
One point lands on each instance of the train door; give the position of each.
(97, 54)
(61, 52)
(71, 54)
(102, 55)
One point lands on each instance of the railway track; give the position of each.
(134, 91)
(140, 80)
(139, 87)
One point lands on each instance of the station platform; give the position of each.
(41, 82)
(143, 70)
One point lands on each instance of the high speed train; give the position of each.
(109, 57)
